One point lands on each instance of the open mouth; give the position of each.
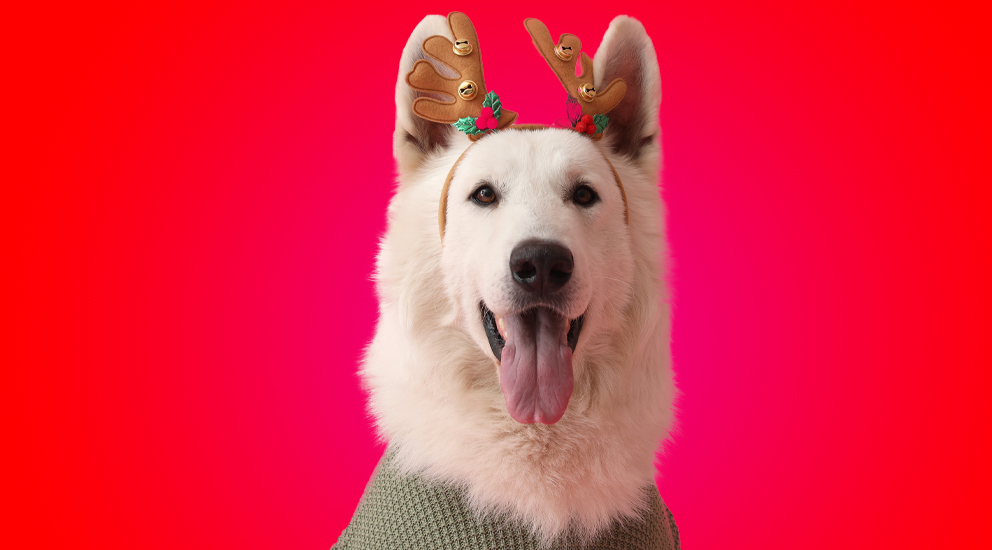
(496, 330)
(534, 348)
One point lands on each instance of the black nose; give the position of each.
(541, 267)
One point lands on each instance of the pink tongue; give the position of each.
(535, 373)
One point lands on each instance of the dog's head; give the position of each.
(535, 236)
(537, 255)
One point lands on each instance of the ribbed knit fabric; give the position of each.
(400, 512)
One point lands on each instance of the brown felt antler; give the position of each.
(468, 89)
(561, 58)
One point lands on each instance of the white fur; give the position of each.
(433, 380)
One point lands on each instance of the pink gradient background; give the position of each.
(190, 201)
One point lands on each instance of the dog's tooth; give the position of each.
(501, 326)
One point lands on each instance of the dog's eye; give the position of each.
(484, 195)
(584, 196)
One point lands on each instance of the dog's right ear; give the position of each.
(415, 137)
(627, 53)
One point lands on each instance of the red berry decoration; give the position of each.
(587, 119)
(488, 119)
(581, 127)
(591, 129)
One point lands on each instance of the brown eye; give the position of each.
(484, 195)
(584, 196)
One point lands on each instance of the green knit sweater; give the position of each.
(410, 513)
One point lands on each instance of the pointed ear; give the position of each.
(627, 53)
(414, 137)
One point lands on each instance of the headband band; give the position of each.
(442, 207)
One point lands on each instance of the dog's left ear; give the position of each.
(627, 53)
(414, 137)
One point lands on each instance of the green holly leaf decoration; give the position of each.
(600, 121)
(468, 126)
(492, 100)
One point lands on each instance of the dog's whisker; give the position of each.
(628, 285)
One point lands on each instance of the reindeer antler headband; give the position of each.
(468, 89)
(478, 112)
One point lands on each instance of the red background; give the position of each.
(192, 196)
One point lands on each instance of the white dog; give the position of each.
(520, 371)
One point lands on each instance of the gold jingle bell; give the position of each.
(467, 90)
(462, 47)
(587, 92)
(563, 52)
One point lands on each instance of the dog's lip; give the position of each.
(495, 327)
